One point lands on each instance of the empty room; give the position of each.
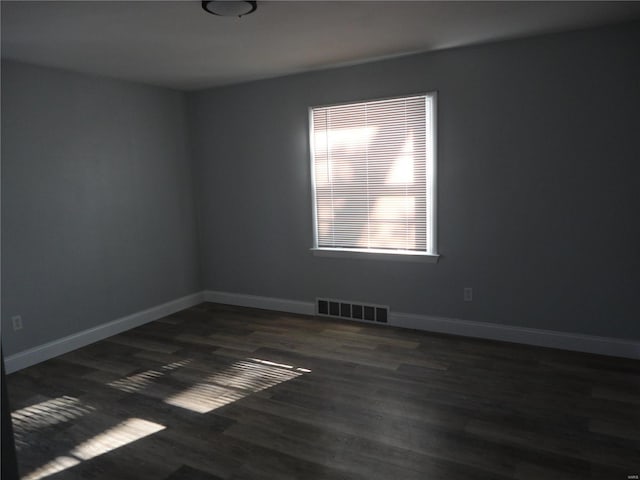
(320, 240)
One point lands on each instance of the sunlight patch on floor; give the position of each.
(54, 466)
(124, 433)
(140, 381)
(233, 383)
(281, 365)
(46, 414)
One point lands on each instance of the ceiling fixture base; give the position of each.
(229, 8)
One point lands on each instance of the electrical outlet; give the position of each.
(468, 294)
(17, 322)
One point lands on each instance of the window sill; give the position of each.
(375, 255)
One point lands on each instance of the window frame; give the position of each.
(431, 181)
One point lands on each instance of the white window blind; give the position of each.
(374, 175)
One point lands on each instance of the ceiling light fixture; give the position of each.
(229, 8)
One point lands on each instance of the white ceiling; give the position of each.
(176, 44)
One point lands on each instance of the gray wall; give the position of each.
(539, 160)
(538, 147)
(98, 218)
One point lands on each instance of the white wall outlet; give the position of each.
(468, 294)
(17, 322)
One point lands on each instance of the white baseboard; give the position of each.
(491, 331)
(529, 336)
(615, 347)
(66, 344)
(265, 303)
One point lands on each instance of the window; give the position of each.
(373, 170)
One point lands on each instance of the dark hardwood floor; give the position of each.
(219, 392)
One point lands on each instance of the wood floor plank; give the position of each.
(188, 473)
